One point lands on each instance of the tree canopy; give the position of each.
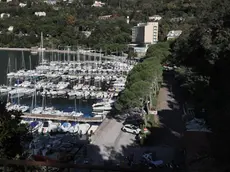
(140, 81)
(12, 133)
(65, 23)
(203, 56)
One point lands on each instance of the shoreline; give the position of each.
(82, 52)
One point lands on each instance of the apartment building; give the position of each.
(145, 33)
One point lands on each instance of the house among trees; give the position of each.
(155, 18)
(4, 15)
(98, 4)
(173, 34)
(39, 14)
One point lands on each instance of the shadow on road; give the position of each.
(170, 112)
(165, 140)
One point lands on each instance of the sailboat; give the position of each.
(10, 74)
(23, 62)
(17, 106)
(41, 49)
(75, 113)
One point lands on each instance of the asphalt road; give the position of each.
(170, 114)
(109, 142)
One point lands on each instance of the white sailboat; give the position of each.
(17, 106)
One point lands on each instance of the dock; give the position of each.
(62, 118)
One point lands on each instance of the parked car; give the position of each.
(134, 120)
(148, 160)
(131, 129)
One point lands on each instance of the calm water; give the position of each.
(13, 61)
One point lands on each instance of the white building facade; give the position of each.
(146, 33)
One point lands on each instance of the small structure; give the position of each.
(40, 14)
(4, 15)
(87, 33)
(127, 19)
(98, 4)
(197, 145)
(11, 28)
(22, 5)
(155, 18)
(173, 34)
(137, 50)
(51, 2)
(177, 19)
(105, 17)
(197, 125)
(140, 51)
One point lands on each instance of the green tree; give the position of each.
(142, 77)
(12, 133)
(203, 57)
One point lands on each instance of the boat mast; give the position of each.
(8, 71)
(42, 47)
(18, 92)
(32, 103)
(35, 98)
(68, 57)
(23, 61)
(30, 62)
(75, 106)
(9, 65)
(8, 98)
(16, 67)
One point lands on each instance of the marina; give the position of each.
(64, 98)
(65, 76)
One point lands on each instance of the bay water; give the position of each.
(13, 61)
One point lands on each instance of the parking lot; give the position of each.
(109, 141)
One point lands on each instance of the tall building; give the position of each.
(146, 33)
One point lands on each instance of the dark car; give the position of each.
(134, 120)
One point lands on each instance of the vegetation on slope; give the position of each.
(12, 133)
(143, 79)
(64, 22)
(203, 56)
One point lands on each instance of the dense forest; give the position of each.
(65, 23)
(202, 55)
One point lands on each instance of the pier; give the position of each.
(62, 118)
(81, 52)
